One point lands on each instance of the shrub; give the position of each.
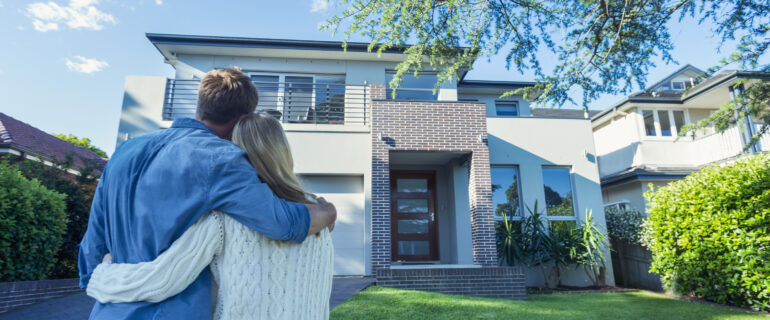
(710, 233)
(625, 225)
(79, 191)
(32, 222)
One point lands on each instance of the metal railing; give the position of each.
(291, 102)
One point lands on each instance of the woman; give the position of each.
(257, 278)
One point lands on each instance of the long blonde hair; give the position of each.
(265, 143)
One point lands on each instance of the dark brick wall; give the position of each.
(430, 126)
(17, 294)
(496, 282)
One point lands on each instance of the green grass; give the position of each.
(385, 303)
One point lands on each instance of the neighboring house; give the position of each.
(637, 138)
(27, 142)
(417, 179)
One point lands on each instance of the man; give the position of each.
(155, 186)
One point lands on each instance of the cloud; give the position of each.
(319, 5)
(1, 4)
(78, 14)
(85, 65)
(159, 2)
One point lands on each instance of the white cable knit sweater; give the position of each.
(257, 278)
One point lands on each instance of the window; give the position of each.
(677, 85)
(413, 88)
(663, 123)
(620, 205)
(649, 123)
(507, 108)
(506, 194)
(559, 202)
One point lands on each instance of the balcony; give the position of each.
(680, 154)
(291, 102)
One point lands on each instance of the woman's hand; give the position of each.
(321, 200)
(107, 258)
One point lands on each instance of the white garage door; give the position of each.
(347, 194)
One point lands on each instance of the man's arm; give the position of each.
(93, 247)
(236, 190)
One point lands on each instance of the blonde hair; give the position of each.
(224, 95)
(265, 143)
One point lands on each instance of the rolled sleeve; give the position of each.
(237, 191)
(93, 246)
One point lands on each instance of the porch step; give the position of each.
(495, 282)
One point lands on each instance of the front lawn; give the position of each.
(385, 303)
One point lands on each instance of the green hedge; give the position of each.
(710, 233)
(32, 223)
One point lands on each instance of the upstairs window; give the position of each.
(663, 123)
(678, 85)
(413, 88)
(507, 108)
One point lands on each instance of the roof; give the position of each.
(561, 113)
(674, 74)
(642, 173)
(495, 84)
(18, 135)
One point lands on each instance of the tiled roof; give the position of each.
(561, 113)
(19, 135)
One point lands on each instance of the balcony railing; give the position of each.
(291, 102)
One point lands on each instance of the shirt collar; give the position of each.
(189, 123)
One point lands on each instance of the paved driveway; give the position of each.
(78, 306)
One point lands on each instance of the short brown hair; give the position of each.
(225, 94)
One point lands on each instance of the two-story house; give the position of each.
(418, 178)
(637, 139)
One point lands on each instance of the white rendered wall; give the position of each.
(530, 144)
(631, 192)
(142, 107)
(489, 101)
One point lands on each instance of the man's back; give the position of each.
(156, 186)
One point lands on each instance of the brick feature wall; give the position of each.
(17, 294)
(496, 282)
(444, 126)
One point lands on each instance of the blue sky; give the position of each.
(63, 62)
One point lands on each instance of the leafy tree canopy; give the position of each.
(82, 142)
(600, 46)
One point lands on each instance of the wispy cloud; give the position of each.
(319, 5)
(159, 2)
(78, 14)
(1, 4)
(85, 65)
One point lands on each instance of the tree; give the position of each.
(600, 46)
(82, 142)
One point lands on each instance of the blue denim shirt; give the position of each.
(155, 187)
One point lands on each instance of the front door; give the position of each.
(413, 216)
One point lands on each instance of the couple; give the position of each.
(176, 207)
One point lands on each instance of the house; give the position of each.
(27, 142)
(418, 178)
(637, 139)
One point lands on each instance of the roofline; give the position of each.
(495, 84)
(683, 68)
(642, 175)
(736, 74)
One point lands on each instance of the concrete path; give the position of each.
(78, 306)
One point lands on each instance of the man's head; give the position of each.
(225, 95)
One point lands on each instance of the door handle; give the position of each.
(432, 217)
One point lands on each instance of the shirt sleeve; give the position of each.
(166, 276)
(237, 191)
(93, 247)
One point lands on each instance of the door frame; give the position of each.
(432, 216)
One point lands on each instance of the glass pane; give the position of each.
(505, 191)
(665, 123)
(413, 248)
(678, 120)
(329, 99)
(267, 88)
(413, 226)
(558, 192)
(412, 94)
(649, 123)
(506, 108)
(412, 185)
(413, 88)
(297, 97)
(413, 205)
(555, 227)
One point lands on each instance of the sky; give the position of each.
(63, 63)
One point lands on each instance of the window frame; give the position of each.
(617, 204)
(388, 90)
(684, 85)
(574, 216)
(515, 103)
(521, 202)
(656, 122)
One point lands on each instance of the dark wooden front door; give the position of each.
(413, 215)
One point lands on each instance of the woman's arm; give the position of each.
(167, 275)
